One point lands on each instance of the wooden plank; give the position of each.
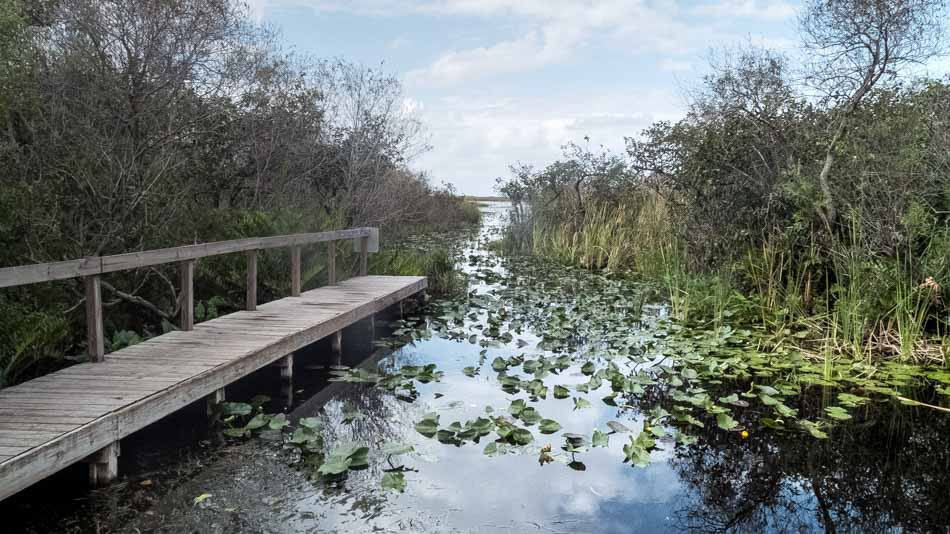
(113, 391)
(12, 440)
(45, 272)
(23, 433)
(95, 339)
(251, 301)
(187, 296)
(39, 401)
(91, 380)
(42, 426)
(331, 263)
(115, 365)
(36, 412)
(59, 419)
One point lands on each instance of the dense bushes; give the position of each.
(737, 208)
(137, 124)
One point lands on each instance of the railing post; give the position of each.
(331, 263)
(251, 304)
(187, 312)
(95, 343)
(364, 254)
(295, 271)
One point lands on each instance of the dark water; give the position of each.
(885, 470)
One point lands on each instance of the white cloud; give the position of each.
(474, 140)
(558, 29)
(456, 66)
(476, 134)
(769, 10)
(398, 42)
(674, 65)
(257, 8)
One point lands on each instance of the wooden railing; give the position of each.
(90, 269)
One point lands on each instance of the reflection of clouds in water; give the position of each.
(481, 490)
(461, 488)
(719, 484)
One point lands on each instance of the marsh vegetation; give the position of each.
(804, 196)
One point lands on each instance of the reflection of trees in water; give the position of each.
(386, 419)
(890, 469)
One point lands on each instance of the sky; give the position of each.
(498, 82)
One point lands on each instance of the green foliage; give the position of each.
(29, 342)
(437, 265)
(205, 310)
(725, 211)
(121, 339)
(213, 144)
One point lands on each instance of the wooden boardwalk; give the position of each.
(82, 412)
(62, 418)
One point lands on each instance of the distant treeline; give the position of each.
(486, 199)
(136, 124)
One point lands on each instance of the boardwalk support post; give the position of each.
(286, 365)
(104, 465)
(331, 263)
(95, 344)
(336, 347)
(336, 342)
(213, 400)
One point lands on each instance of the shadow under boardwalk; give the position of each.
(59, 419)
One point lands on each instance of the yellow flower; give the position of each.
(745, 434)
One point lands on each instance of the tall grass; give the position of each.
(852, 303)
(633, 236)
(437, 265)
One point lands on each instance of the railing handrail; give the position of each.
(97, 265)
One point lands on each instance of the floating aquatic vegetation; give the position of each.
(544, 331)
(401, 383)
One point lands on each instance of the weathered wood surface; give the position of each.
(251, 304)
(45, 272)
(187, 294)
(51, 422)
(295, 271)
(95, 339)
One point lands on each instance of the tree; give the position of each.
(856, 44)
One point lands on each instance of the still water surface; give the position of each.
(888, 472)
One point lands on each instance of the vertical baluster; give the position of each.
(251, 280)
(94, 336)
(364, 254)
(295, 271)
(331, 263)
(187, 313)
